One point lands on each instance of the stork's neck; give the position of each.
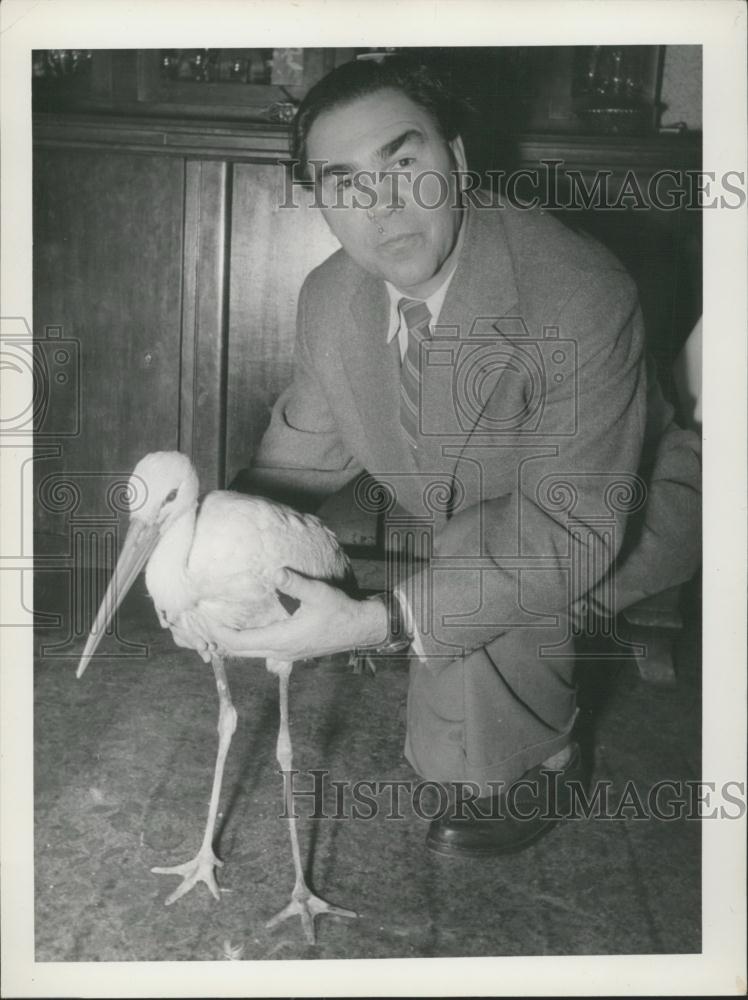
(166, 574)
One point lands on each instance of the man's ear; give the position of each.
(458, 153)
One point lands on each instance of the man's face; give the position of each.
(384, 163)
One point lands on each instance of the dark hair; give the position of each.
(408, 74)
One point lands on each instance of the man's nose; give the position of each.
(388, 196)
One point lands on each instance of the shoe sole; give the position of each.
(449, 851)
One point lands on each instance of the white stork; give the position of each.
(210, 564)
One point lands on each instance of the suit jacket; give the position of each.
(533, 422)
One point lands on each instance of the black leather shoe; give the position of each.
(510, 820)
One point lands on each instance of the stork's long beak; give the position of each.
(140, 542)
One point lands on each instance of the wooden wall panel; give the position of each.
(272, 251)
(202, 421)
(107, 275)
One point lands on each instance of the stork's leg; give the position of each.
(201, 868)
(303, 901)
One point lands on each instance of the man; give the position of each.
(487, 366)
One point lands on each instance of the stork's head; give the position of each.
(162, 487)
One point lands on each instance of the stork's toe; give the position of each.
(307, 906)
(200, 869)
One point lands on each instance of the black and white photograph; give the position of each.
(373, 440)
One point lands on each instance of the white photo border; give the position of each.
(718, 25)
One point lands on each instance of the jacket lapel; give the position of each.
(482, 291)
(373, 368)
(484, 286)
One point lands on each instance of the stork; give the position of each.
(212, 564)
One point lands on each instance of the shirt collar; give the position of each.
(435, 301)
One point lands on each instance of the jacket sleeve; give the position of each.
(662, 546)
(521, 556)
(301, 458)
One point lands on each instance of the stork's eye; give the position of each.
(169, 497)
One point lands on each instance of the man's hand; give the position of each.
(326, 621)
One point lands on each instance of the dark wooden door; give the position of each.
(108, 230)
(273, 248)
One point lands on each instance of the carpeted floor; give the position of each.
(124, 760)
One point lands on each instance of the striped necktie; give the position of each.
(417, 319)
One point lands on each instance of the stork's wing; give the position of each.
(240, 542)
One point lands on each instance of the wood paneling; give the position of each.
(202, 414)
(272, 251)
(252, 143)
(107, 275)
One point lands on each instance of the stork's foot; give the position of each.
(200, 869)
(308, 906)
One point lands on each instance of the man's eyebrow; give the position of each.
(390, 148)
(383, 153)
